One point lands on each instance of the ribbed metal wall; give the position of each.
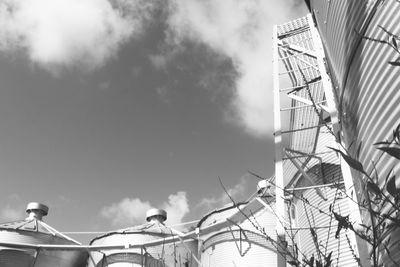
(313, 211)
(169, 254)
(370, 109)
(223, 249)
(370, 102)
(339, 23)
(247, 246)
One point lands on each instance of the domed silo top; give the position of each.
(154, 226)
(33, 223)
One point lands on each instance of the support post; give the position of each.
(279, 184)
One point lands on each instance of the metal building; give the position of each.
(361, 42)
(244, 234)
(23, 237)
(308, 173)
(366, 85)
(167, 250)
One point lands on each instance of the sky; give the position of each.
(111, 107)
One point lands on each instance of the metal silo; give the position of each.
(23, 235)
(356, 37)
(367, 86)
(316, 194)
(247, 237)
(151, 244)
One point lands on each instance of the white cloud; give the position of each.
(70, 33)
(127, 212)
(132, 211)
(164, 94)
(105, 85)
(85, 34)
(237, 193)
(176, 208)
(241, 30)
(13, 210)
(9, 213)
(158, 61)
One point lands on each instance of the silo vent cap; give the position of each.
(264, 188)
(37, 210)
(156, 214)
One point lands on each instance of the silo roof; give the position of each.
(153, 227)
(150, 227)
(33, 225)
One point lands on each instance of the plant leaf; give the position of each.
(353, 163)
(374, 188)
(293, 263)
(382, 143)
(396, 134)
(359, 149)
(394, 43)
(393, 151)
(394, 63)
(328, 260)
(388, 175)
(391, 186)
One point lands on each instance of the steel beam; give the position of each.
(279, 183)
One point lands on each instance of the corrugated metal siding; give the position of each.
(370, 108)
(370, 103)
(313, 210)
(375, 86)
(317, 215)
(338, 23)
(222, 250)
(170, 253)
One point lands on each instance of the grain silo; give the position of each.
(361, 43)
(243, 234)
(24, 235)
(150, 244)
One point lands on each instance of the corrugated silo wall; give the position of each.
(246, 247)
(367, 86)
(313, 211)
(168, 254)
(370, 86)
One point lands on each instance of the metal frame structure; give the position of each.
(304, 98)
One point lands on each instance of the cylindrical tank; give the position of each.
(244, 245)
(169, 254)
(34, 231)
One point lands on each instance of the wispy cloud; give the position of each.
(164, 94)
(158, 61)
(237, 193)
(132, 211)
(240, 30)
(13, 210)
(70, 33)
(10, 213)
(177, 207)
(85, 34)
